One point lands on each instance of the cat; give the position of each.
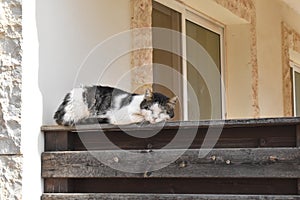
(114, 106)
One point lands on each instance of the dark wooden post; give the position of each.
(298, 145)
(298, 135)
(56, 185)
(57, 141)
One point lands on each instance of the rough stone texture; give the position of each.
(10, 76)
(290, 40)
(242, 8)
(10, 98)
(10, 177)
(141, 59)
(246, 10)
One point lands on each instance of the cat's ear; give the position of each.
(172, 101)
(148, 94)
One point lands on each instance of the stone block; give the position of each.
(10, 177)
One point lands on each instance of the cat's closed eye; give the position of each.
(170, 113)
(146, 107)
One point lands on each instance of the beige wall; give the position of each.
(289, 16)
(271, 16)
(254, 77)
(269, 58)
(238, 71)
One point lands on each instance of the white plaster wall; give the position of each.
(68, 30)
(58, 34)
(31, 137)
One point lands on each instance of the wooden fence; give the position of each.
(252, 159)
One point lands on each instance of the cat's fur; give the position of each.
(113, 105)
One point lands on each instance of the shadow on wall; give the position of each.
(68, 30)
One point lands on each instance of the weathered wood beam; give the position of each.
(298, 145)
(298, 135)
(59, 185)
(218, 163)
(57, 141)
(164, 197)
(185, 124)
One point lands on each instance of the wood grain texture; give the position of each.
(57, 141)
(259, 186)
(298, 135)
(219, 163)
(164, 197)
(298, 186)
(231, 137)
(184, 124)
(59, 185)
(243, 162)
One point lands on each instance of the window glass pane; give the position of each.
(210, 41)
(167, 66)
(297, 93)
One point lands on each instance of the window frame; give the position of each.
(295, 67)
(188, 13)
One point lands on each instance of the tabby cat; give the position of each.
(114, 106)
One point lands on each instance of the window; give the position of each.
(296, 87)
(175, 16)
(164, 17)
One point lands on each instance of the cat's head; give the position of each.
(156, 107)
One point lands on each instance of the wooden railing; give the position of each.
(252, 159)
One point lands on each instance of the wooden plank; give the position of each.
(57, 141)
(185, 124)
(298, 145)
(263, 186)
(133, 137)
(298, 188)
(219, 163)
(113, 196)
(56, 185)
(298, 135)
(270, 136)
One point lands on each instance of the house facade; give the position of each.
(48, 47)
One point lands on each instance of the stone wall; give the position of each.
(141, 59)
(290, 40)
(10, 98)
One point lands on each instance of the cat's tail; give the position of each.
(73, 109)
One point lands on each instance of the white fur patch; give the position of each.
(76, 109)
(128, 114)
(155, 114)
